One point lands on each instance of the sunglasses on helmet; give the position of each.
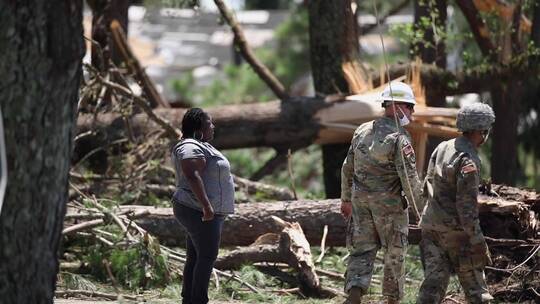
(407, 105)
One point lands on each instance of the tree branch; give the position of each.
(141, 102)
(240, 41)
(471, 81)
(478, 27)
(368, 28)
(135, 67)
(92, 294)
(272, 164)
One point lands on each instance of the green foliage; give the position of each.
(306, 167)
(76, 282)
(138, 266)
(289, 60)
(231, 290)
(307, 171)
(333, 258)
(239, 84)
(485, 155)
(183, 86)
(245, 162)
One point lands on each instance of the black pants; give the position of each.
(202, 244)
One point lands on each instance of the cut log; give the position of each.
(499, 218)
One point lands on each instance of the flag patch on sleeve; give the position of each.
(468, 168)
(408, 150)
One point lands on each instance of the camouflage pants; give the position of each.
(444, 254)
(378, 224)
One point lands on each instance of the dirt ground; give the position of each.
(78, 301)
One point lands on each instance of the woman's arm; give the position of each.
(192, 168)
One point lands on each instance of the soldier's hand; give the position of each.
(480, 249)
(346, 209)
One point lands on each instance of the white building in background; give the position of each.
(170, 42)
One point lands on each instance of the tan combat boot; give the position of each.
(354, 296)
(486, 297)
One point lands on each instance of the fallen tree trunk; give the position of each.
(499, 218)
(265, 191)
(271, 124)
(297, 123)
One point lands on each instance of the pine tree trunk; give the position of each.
(103, 13)
(504, 158)
(333, 42)
(40, 63)
(431, 51)
(513, 216)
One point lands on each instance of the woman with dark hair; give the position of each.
(204, 196)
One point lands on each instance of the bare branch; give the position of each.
(141, 102)
(478, 27)
(240, 41)
(89, 293)
(368, 28)
(135, 67)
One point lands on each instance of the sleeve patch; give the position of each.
(408, 150)
(468, 168)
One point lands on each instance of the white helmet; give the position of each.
(398, 91)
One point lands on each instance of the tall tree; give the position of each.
(502, 48)
(41, 47)
(430, 22)
(334, 52)
(103, 13)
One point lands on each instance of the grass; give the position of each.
(273, 290)
(333, 261)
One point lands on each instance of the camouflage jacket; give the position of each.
(451, 187)
(380, 163)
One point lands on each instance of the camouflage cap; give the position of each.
(475, 116)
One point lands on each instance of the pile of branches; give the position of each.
(128, 170)
(514, 275)
(90, 223)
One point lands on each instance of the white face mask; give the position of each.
(485, 136)
(403, 121)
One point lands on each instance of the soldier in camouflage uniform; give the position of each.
(379, 166)
(452, 241)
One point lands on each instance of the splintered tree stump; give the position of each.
(289, 246)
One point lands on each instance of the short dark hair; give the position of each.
(193, 121)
